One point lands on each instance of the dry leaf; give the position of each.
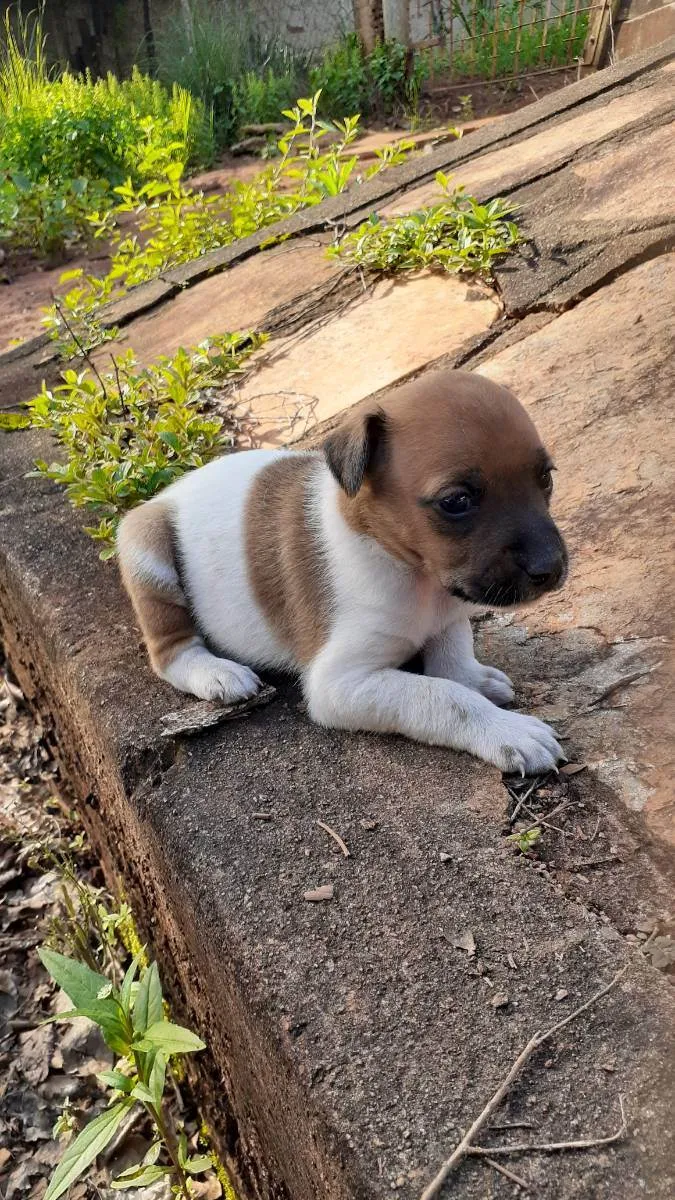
(465, 941)
(316, 895)
(572, 768)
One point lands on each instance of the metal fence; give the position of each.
(499, 39)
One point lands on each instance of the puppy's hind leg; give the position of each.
(177, 653)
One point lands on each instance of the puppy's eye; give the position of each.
(457, 504)
(546, 479)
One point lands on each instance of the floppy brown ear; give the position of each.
(354, 449)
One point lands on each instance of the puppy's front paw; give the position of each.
(522, 744)
(494, 684)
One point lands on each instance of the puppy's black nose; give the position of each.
(542, 558)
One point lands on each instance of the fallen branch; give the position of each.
(538, 1039)
(550, 1147)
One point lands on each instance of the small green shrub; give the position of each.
(55, 133)
(456, 234)
(132, 431)
(177, 224)
(132, 1019)
(45, 216)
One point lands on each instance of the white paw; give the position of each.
(522, 744)
(494, 684)
(197, 671)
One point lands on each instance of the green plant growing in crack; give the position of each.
(456, 234)
(178, 224)
(130, 432)
(132, 1021)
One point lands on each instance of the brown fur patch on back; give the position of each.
(146, 539)
(283, 558)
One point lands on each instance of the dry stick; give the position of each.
(523, 798)
(537, 1040)
(80, 346)
(336, 837)
(544, 821)
(522, 1183)
(549, 1147)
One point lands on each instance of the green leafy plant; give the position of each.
(132, 1021)
(66, 141)
(508, 39)
(177, 224)
(132, 431)
(456, 234)
(218, 54)
(526, 840)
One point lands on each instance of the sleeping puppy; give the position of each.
(342, 565)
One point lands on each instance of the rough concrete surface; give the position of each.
(353, 1041)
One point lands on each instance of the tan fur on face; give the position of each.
(158, 600)
(435, 429)
(283, 559)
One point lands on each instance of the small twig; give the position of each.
(522, 1183)
(623, 681)
(80, 346)
(551, 1147)
(483, 1117)
(526, 795)
(542, 821)
(335, 836)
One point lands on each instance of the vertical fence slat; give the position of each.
(516, 57)
(451, 41)
(495, 40)
(544, 34)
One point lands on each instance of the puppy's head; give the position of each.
(450, 475)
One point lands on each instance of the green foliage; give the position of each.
(456, 234)
(131, 1019)
(129, 433)
(177, 224)
(526, 840)
(66, 142)
(239, 75)
(46, 215)
(507, 40)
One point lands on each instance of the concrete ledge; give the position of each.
(351, 1041)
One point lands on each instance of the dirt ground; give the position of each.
(48, 1068)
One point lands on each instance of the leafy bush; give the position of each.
(129, 433)
(238, 75)
(56, 133)
(178, 224)
(46, 216)
(456, 234)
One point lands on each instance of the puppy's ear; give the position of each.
(353, 451)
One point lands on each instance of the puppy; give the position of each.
(342, 565)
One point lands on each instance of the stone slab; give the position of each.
(238, 298)
(599, 381)
(396, 327)
(647, 29)
(539, 152)
(418, 170)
